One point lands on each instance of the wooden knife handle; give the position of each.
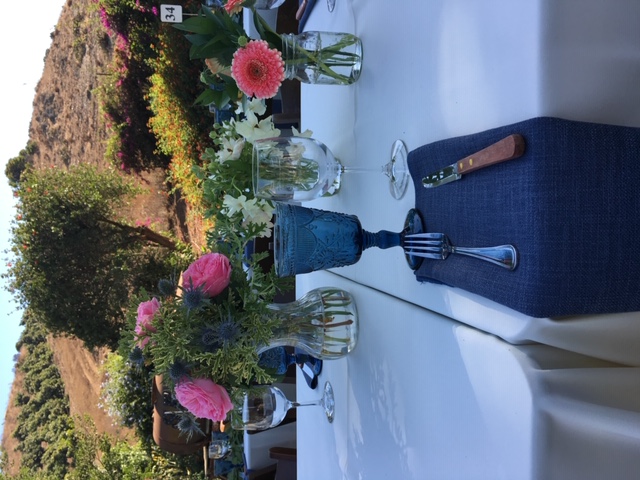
(506, 149)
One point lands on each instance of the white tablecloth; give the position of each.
(435, 69)
(422, 396)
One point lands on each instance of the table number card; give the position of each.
(171, 13)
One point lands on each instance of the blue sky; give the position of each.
(24, 40)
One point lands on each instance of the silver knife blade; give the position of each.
(506, 149)
(446, 175)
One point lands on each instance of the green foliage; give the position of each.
(17, 165)
(181, 131)
(215, 34)
(75, 261)
(99, 457)
(43, 421)
(125, 394)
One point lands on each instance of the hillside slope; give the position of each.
(68, 129)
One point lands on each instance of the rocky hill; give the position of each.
(66, 123)
(68, 129)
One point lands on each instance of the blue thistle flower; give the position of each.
(227, 331)
(167, 287)
(188, 425)
(136, 356)
(193, 298)
(209, 339)
(178, 370)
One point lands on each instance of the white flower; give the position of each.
(256, 106)
(307, 133)
(231, 149)
(232, 205)
(258, 213)
(252, 129)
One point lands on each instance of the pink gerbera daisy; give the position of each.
(258, 69)
(234, 6)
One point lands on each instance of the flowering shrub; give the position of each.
(124, 394)
(181, 131)
(131, 26)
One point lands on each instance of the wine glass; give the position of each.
(298, 169)
(309, 239)
(266, 406)
(219, 446)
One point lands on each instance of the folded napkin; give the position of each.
(570, 205)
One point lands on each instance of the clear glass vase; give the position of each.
(323, 323)
(322, 57)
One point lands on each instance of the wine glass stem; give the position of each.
(382, 239)
(306, 404)
(363, 169)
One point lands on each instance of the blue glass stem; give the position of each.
(382, 239)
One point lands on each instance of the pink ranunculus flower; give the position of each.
(257, 69)
(211, 272)
(144, 322)
(234, 6)
(204, 398)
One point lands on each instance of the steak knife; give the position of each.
(506, 149)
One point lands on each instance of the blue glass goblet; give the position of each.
(309, 239)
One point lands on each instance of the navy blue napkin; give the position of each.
(305, 15)
(570, 205)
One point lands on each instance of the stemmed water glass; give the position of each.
(266, 406)
(309, 239)
(298, 169)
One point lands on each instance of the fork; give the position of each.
(438, 246)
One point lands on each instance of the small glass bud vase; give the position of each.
(322, 57)
(323, 323)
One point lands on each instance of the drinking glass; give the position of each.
(298, 169)
(266, 406)
(309, 239)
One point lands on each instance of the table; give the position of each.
(431, 391)
(423, 396)
(438, 69)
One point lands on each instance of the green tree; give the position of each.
(17, 165)
(76, 259)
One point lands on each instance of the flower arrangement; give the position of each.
(239, 66)
(208, 327)
(236, 64)
(226, 176)
(202, 334)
